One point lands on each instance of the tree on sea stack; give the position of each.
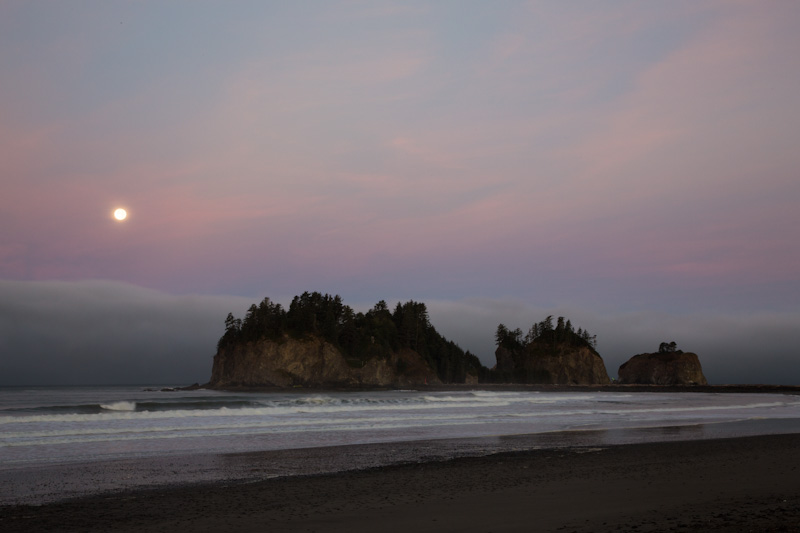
(668, 347)
(319, 341)
(548, 354)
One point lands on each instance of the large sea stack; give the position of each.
(321, 343)
(314, 362)
(668, 366)
(549, 355)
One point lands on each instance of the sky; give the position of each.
(630, 165)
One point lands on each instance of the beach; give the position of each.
(732, 484)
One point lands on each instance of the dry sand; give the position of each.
(741, 484)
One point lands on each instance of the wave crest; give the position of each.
(119, 406)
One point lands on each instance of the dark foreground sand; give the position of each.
(741, 484)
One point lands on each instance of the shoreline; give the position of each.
(50, 483)
(731, 484)
(517, 387)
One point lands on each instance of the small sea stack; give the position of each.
(667, 366)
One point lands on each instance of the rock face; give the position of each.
(663, 368)
(561, 364)
(312, 362)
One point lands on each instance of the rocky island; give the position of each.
(668, 366)
(548, 354)
(320, 342)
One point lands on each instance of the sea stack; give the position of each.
(668, 366)
(548, 354)
(314, 363)
(321, 343)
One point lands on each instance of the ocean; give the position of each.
(60, 442)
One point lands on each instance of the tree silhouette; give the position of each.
(358, 336)
(668, 347)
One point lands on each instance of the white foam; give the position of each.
(119, 406)
(126, 411)
(523, 404)
(287, 420)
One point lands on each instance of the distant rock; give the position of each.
(562, 364)
(315, 363)
(663, 368)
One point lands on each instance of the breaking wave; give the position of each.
(119, 406)
(71, 427)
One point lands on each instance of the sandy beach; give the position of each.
(738, 484)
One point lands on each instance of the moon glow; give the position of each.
(120, 214)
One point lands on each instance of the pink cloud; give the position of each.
(337, 156)
(695, 133)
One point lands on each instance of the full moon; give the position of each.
(120, 214)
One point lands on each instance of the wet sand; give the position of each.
(739, 484)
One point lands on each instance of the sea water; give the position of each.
(46, 425)
(84, 427)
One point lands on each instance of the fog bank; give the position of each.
(100, 332)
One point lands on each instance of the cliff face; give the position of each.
(559, 365)
(312, 363)
(670, 368)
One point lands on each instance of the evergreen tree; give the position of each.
(358, 336)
